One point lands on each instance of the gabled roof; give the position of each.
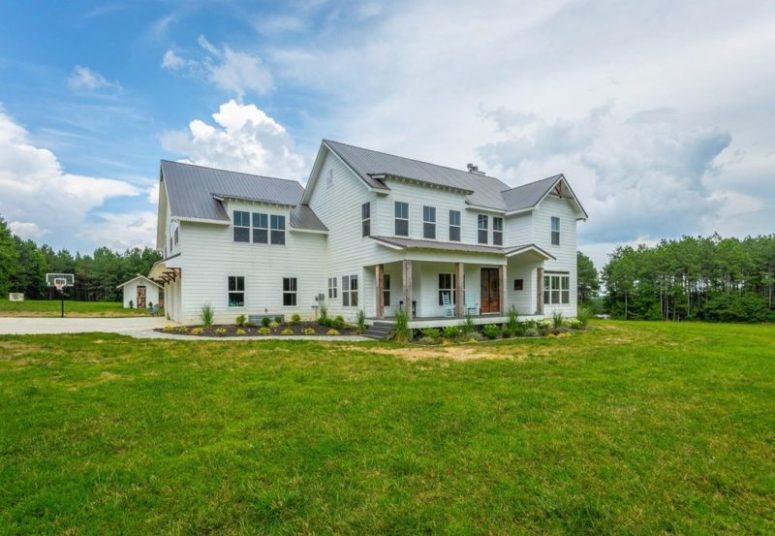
(303, 217)
(140, 277)
(529, 195)
(193, 190)
(459, 247)
(481, 190)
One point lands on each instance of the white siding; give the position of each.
(130, 293)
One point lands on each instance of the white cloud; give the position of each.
(153, 194)
(122, 230)
(85, 79)
(42, 199)
(244, 138)
(172, 61)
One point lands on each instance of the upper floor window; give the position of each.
(556, 289)
(289, 291)
(402, 218)
(241, 226)
(350, 291)
(555, 231)
(429, 222)
(176, 236)
(236, 291)
(260, 228)
(454, 226)
(366, 219)
(278, 229)
(497, 231)
(482, 226)
(332, 288)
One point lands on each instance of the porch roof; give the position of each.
(413, 243)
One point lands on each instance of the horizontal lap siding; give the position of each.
(565, 253)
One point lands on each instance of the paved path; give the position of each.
(34, 326)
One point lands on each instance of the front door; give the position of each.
(491, 296)
(141, 297)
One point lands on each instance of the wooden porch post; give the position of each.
(540, 287)
(408, 288)
(379, 272)
(502, 282)
(460, 307)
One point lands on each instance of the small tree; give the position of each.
(207, 315)
(402, 333)
(361, 321)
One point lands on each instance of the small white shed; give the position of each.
(141, 291)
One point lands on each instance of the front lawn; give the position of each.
(72, 308)
(625, 428)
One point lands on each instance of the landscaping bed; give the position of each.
(276, 326)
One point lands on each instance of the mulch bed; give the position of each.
(230, 330)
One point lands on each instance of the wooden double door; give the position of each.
(490, 291)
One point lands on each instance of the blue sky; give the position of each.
(660, 115)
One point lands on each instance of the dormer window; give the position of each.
(429, 222)
(482, 226)
(402, 218)
(241, 226)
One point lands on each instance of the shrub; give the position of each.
(402, 332)
(207, 315)
(196, 331)
(332, 331)
(491, 331)
(240, 331)
(338, 322)
(279, 319)
(264, 330)
(474, 336)
(131, 304)
(323, 319)
(512, 324)
(150, 305)
(287, 331)
(265, 321)
(468, 325)
(426, 340)
(240, 321)
(295, 318)
(274, 324)
(531, 332)
(168, 329)
(309, 331)
(507, 333)
(431, 333)
(451, 332)
(220, 332)
(361, 321)
(574, 323)
(583, 315)
(183, 330)
(557, 320)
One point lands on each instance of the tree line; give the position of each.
(693, 278)
(24, 264)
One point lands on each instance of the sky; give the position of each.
(660, 114)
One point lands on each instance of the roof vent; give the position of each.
(474, 169)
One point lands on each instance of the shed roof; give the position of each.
(139, 276)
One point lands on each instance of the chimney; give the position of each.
(474, 169)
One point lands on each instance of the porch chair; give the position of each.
(446, 303)
(472, 304)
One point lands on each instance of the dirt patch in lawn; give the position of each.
(463, 353)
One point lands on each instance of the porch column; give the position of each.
(460, 306)
(408, 288)
(502, 285)
(379, 272)
(540, 287)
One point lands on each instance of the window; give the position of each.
(556, 289)
(241, 226)
(454, 226)
(350, 291)
(366, 219)
(332, 288)
(289, 291)
(176, 236)
(429, 222)
(447, 287)
(170, 244)
(555, 231)
(497, 231)
(402, 218)
(236, 291)
(519, 284)
(278, 229)
(482, 225)
(386, 289)
(260, 228)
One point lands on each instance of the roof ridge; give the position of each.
(232, 171)
(412, 159)
(558, 175)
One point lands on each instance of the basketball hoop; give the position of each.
(60, 283)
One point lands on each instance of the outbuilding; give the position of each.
(141, 292)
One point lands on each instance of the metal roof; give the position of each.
(528, 195)
(303, 217)
(412, 243)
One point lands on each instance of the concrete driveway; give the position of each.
(36, 326)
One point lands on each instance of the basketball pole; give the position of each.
(62, 302)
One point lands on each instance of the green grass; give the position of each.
(72, 308)
(627, 428)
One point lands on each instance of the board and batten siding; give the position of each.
(130, 293)
(211, 255)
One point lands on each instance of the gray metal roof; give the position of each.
(191, 190)
(486, 190)
(303, 217)
(528, 195)
(411, 243)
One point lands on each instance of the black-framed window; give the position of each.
(482, 224)
(332, 290)
(260, 228)
(497, 231)
(350, 291)
(366, 219)
(289, 291)
(241, 226)
(429, 222)
(236, 291)
(447, 286)
(519, 284)
(278, 229)
(386, 289)
(402, 218)
(454, 226)
(555, 231)
(556, 289)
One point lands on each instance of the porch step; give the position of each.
(379, 330)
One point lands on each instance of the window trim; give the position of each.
(258, 227)
(332, 288)
(397, 218)
(497, 234)
(559, 294)
(555, 233)
(452, 289)
(429, 225)
(240, 226)
(455, 226)
(236, 291)
(482, 218)
(279, 230)
(350, 292)
(366, 219)
(292, 291)
(386, 290)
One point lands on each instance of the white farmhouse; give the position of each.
(372, 232)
